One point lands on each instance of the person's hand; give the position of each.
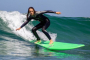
(18, 29)
(58, 12)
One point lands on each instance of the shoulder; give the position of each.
(38, 12)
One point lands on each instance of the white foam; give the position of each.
(15, 20)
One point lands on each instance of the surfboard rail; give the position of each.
(58, 45)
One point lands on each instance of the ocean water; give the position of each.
(15, 45)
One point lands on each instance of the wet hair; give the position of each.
(28, 11)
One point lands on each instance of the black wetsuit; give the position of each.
(44, 23)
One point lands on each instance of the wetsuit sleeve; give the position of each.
(25, 23)
(47, 11)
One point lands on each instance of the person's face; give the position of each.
(31, 11)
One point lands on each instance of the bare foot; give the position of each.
(51, 41)
(38, 41)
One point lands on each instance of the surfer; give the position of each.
(44, 22)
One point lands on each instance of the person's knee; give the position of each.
(43, 30)
(33, 29)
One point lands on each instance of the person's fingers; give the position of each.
(58, 12)
(18, 29)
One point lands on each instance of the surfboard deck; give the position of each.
(58, 45)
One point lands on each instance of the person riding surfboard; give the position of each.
(44, 22)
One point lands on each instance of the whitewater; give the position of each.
(15, 20)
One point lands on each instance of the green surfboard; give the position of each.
(58, 45)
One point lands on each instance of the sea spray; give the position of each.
(15, 19)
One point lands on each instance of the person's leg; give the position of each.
(47, 24)
(44, 30)
(34, 29)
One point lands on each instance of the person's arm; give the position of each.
(48, 11)
(23, 24)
